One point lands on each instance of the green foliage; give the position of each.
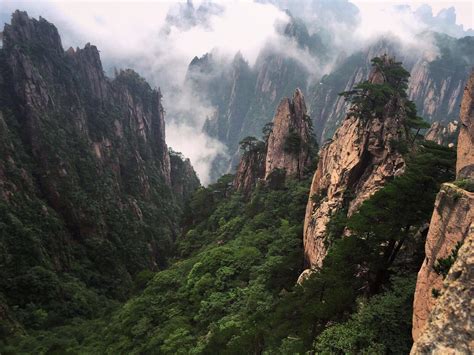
(443, 265)
(369, 99)
(251, 145)
(394, 214)
(465, 184)
(381, 325)
(292, 143)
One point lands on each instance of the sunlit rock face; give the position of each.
(356, 163)
(289, 142)
(451, 225)
(465, 155)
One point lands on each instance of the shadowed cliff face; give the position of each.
(286, 151)
(440, 324)
(353, 166)
(85, 184)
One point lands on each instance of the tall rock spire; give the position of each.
(290, 140)
(358, 161)
(287, 149)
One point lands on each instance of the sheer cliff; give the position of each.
(441, 319)
(86, 185)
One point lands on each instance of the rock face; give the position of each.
(451, 223)
(289, 142)
(449, 329)
(443, 135)
(465, 155)
(353, 166)
(250, 170)
(85, 175)
(288, 147)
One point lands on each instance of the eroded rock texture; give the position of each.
(465, 155)
(287, 150)
(449, 329)
(443, 134)
(452, 222)
(354, 165)
(290, 140)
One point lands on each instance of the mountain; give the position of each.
(438, 75)
(244, 97)
(86, 182)
(362, 156)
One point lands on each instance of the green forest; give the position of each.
(231, 285)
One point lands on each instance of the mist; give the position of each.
(159, 39)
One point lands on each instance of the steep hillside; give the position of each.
(86, 198)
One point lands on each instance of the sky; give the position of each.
(138, 35)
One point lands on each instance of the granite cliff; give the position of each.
(287, 148)
(356, 163)
(441, 317)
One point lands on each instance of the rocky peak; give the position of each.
(465, 154)
(289, 142)
(31, 33)
(287, 149)
(356, 163)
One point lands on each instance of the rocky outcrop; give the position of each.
(451, 223)
(449, 329)
(465, 155)
(250, 170)
(287, 148)
(290, 140)
(353, 166)
(443, 134)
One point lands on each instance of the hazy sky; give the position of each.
(464, 8)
